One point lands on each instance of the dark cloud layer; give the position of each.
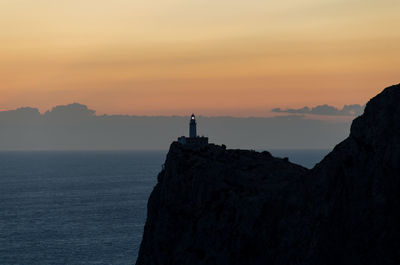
(76, 127)
(326, 110)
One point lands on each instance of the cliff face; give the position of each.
(217, 206)
(356, 189)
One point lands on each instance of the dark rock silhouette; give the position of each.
(218, 206)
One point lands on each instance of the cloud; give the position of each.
(71, 111)
(21, 114)
(76, 127)
(326, 110)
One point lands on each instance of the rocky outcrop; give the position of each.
(218, 206)
(356, 190)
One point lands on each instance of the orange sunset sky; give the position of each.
(213, 57)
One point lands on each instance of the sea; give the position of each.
(82, 207)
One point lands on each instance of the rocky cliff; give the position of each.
(218, 206)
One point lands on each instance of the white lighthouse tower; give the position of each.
(192, 127)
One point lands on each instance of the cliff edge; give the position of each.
(218, 206)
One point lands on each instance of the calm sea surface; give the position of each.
(81, 207)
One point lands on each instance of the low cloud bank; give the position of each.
(326, 110)
(76, 127)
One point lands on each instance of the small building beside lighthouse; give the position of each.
(193, 138)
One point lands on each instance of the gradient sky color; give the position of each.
(214, 57)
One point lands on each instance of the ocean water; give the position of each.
(82, 207)
(74, 207)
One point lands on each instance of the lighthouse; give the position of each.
(193, 141)
(192, 127)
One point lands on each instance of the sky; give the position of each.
(213, 57)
